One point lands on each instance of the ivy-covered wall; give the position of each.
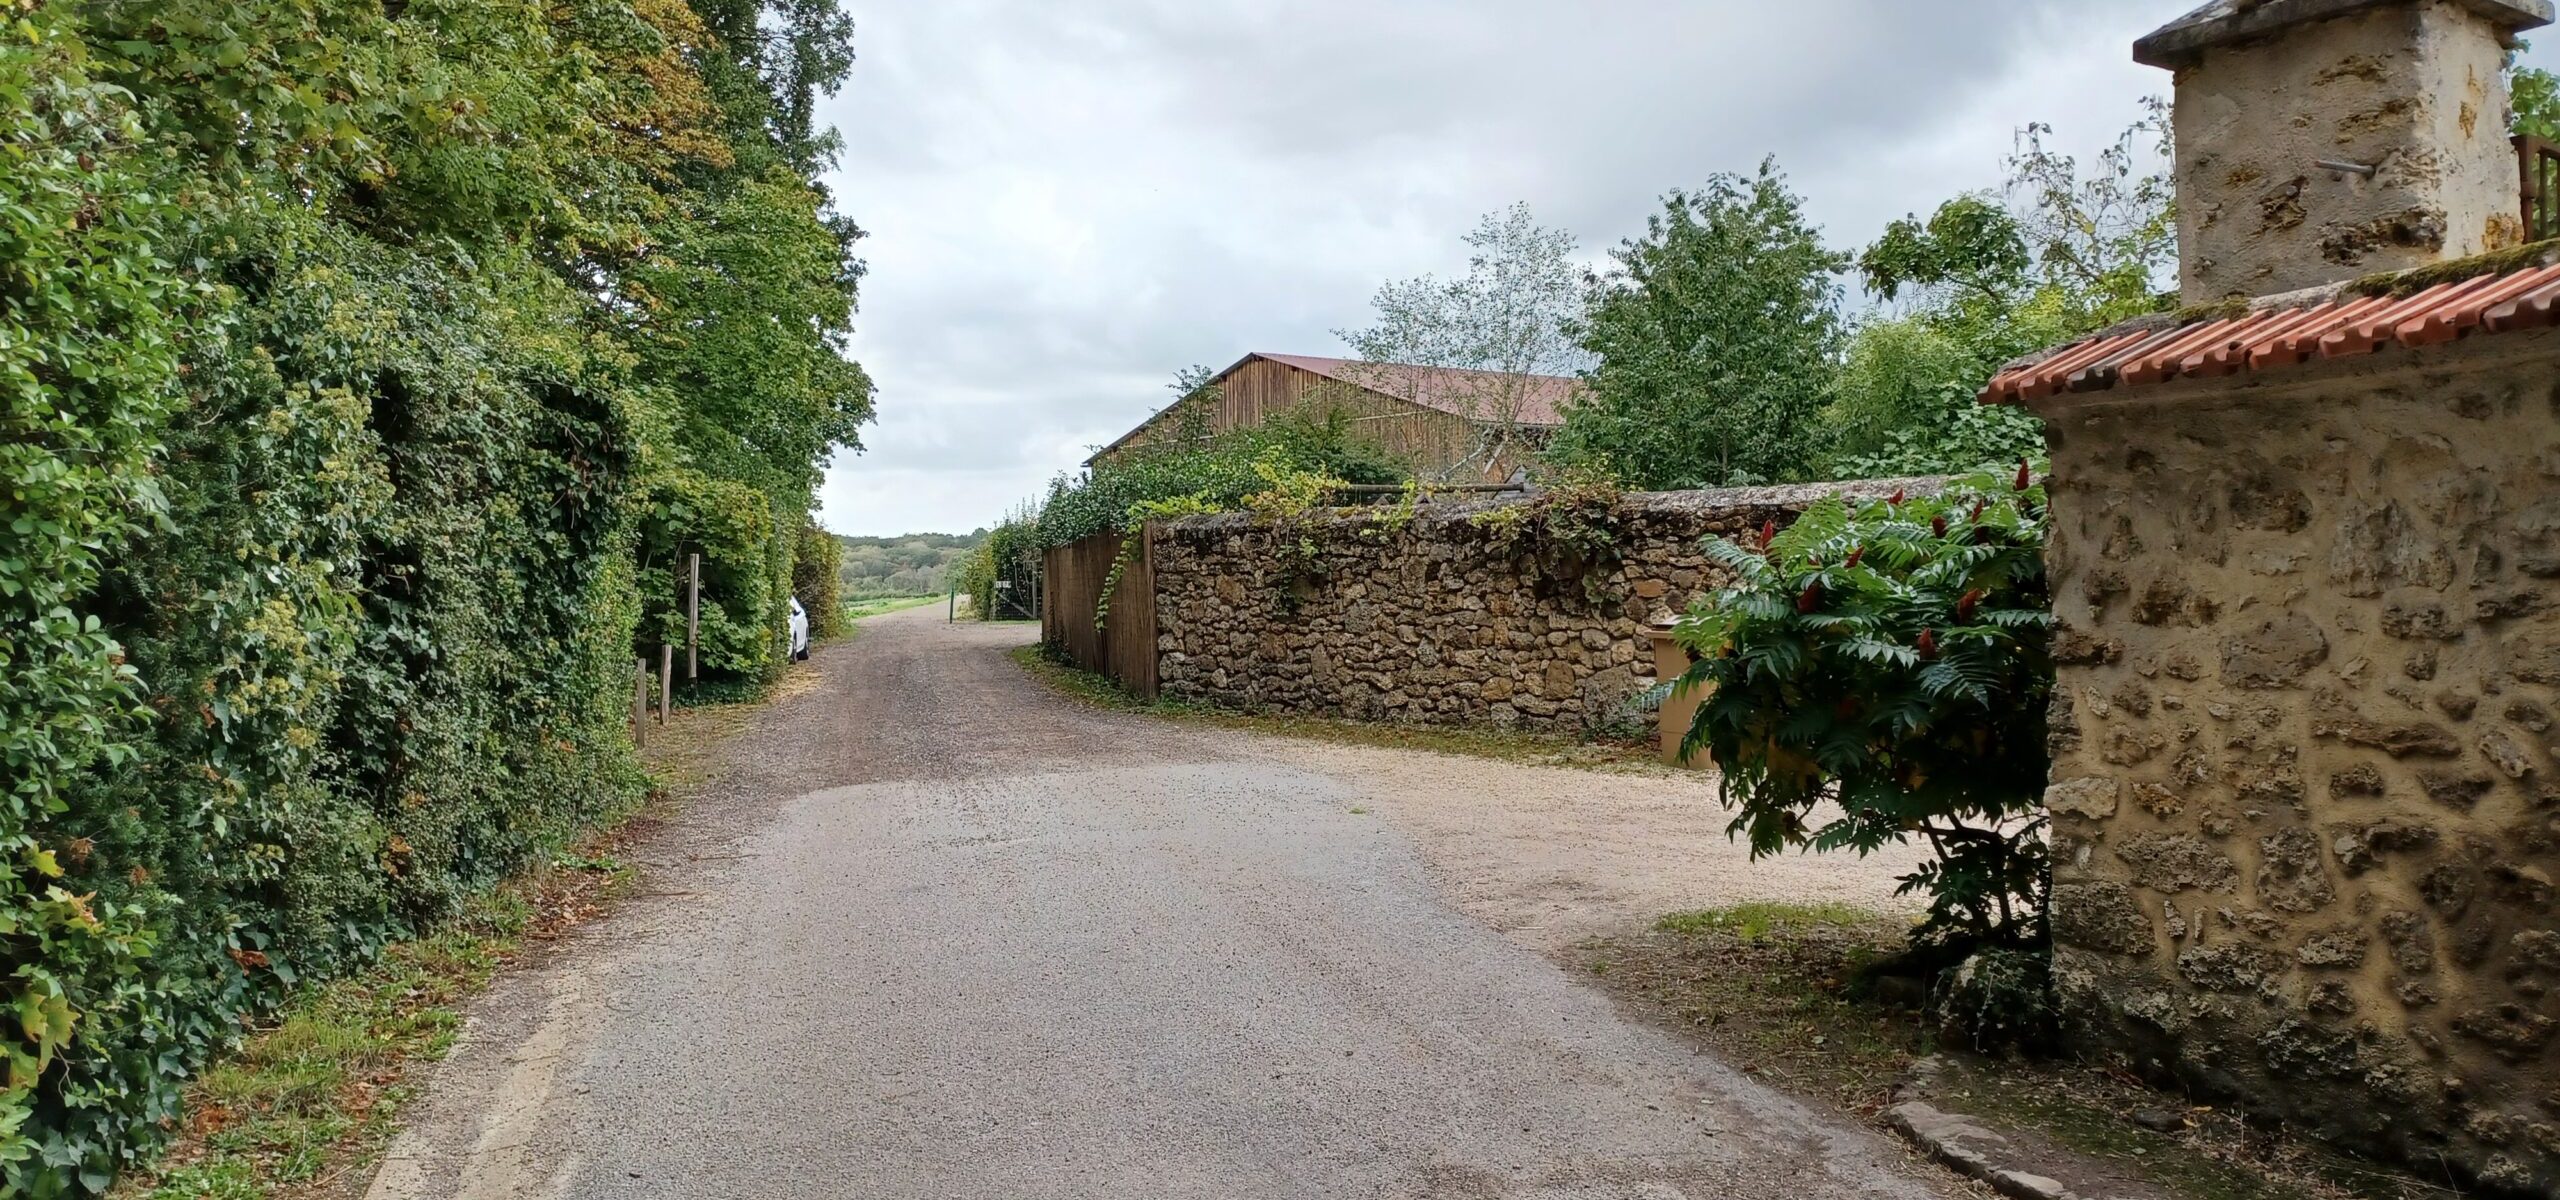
(361, 368)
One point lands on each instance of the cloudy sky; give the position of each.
(1068, 200)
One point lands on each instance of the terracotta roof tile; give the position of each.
(2286, 332)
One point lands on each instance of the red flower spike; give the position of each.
(1855, 553)
(1895, 499)
(1938, 525)
(1811, 599)
(2024, 477)
(1768, 533)
(1965, 606)
(1978, 506)
(1847, 708)
(1927, 646)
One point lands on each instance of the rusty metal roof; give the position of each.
(2286, 332)
(1537, 401)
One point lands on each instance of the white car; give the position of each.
(799, 632)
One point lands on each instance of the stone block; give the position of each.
(2088, 797)
(2275, 653)
(2102, 916)
(2176, 862)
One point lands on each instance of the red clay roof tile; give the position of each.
(2283, 334)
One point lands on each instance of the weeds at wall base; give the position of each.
(1623, 752)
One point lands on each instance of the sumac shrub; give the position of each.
(1878, 674)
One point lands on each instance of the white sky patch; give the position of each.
(1069, 202)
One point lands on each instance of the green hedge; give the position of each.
(343, 438)
(815, 557)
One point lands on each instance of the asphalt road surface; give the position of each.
(926, 930)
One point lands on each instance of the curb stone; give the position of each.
(1971, 1149)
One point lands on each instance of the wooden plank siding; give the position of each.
(1123, 647)
(1426, 439)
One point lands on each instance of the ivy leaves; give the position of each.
(346, 351)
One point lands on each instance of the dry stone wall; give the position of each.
(2306, 792)
(1434, 619)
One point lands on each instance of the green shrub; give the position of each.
(335, 423)
(1010, 554)
(1894, 659)
(815, 559)
(743, 614)
(88, 376)
(1219, 470)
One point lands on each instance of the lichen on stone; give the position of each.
(2399, 284)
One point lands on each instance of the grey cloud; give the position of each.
(1070, 200)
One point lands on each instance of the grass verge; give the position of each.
(855, 610)
(311, 1097)
(1775, 989)
(1628, 755)
(305, 1105)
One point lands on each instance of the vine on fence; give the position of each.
(1136, 539)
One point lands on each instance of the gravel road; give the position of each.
(926, 930)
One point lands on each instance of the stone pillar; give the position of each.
(2406, 100)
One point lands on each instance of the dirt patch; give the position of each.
(1777, 992)
(1554, 856)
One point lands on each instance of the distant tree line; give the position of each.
(915, 564)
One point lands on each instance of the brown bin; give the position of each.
(1670, 661)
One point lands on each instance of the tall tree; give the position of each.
(1505, 319)
(1716, 336)
(2061, 251)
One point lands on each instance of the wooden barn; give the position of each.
(1453, 426)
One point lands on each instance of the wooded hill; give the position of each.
(912, 564)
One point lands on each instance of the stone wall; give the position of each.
(1431, 620)
(2306, 801)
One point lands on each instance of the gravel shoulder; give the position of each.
(1555, 856)
(924, 929)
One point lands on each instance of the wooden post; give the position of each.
(693, 617)
(639, 702)
(666, 680)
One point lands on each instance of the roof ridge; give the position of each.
(1278, 356)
